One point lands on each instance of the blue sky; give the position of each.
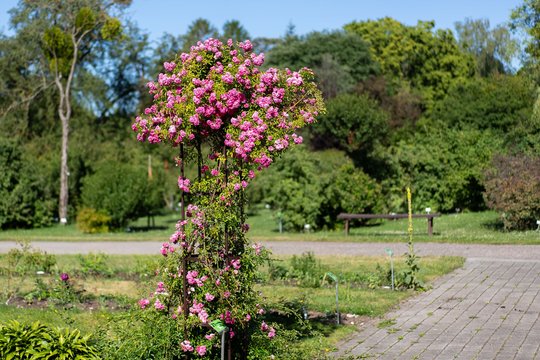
(270, 18)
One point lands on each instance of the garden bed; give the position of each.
(108, 288)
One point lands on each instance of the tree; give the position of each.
(20, 87)
(389, 43)
(70, 31)
(526, 18)
(228, 136)
(403, 105)
(494, 49)
(199, 30)
(503, 104)
(232, 29)
(116, 78)
(340, 60)
(416, 55)
(443, 166)
(353, 123)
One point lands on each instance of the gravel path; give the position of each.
(470, 251)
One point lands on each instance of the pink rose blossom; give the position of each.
(158, 305)
(143, 303)
(201, 350)
(186, 346)
(183, 184)
(235, 264)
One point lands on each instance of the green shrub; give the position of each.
(381, 277)
(513, 189)
(276, 271)
(95, 264)
(146, 335)
(56, 291)
(351, 190)
(444, 168)
(40, 292)
(17, 339)
(314, 187)
(91, 221)
(306, 270)
(21, 262)
(145, 267)
(24, 201)
(140, 335)
(117, 190)
(37, 341)
(65, 344)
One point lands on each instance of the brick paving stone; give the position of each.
(487, 310)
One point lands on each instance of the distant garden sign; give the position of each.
(230, 120)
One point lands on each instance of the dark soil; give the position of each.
(86, 305)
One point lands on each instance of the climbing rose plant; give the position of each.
(229, 119)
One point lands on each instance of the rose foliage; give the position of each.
(232, 120)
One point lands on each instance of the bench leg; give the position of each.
(430, 226)
(347, 227)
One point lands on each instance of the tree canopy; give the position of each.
(420, 56)
(340, 60)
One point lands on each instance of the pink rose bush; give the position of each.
(229, 119)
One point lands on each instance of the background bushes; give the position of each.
(513, 189)
(91, 221)
(120, 191)
(24, 200)
(314, 187)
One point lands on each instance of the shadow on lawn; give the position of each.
(493, 225)
(135, 229)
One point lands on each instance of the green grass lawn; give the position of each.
(136, 231)
(352, 272)
(481, 227)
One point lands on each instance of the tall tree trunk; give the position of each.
(64, 112)
(64, 171)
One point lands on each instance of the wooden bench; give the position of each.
(349, 217)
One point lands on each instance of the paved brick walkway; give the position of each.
(489, 309)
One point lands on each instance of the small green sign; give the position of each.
(389, 252)
(331, 276)
(218, 325)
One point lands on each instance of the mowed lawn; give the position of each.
(481, 227)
